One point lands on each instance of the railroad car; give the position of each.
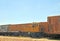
(50, 29)
(54, 26)
(44, 28)
(29, 29)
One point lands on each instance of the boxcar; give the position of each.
(29, 29)
(44, 28)
(54, 26)
(51, 28)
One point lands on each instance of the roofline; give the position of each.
(54, 16)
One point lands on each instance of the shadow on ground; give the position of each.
(54, 38)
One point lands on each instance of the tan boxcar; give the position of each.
(54, 24)
(13, 28)
(29, 27)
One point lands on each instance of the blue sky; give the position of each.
(25, 11)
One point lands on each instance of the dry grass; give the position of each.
(6, 38)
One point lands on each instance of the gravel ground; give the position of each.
(6, 38)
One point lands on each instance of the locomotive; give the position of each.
(51, 28)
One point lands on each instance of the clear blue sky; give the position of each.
(25, 11)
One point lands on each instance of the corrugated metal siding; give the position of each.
(24, 27)
(55, 22)
(43, 27)
(28, 28)
(3, 28)
(13, 28)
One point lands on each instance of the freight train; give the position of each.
(51, 28)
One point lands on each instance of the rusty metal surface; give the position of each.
(30, 27)
(44, 25)
(13, 28)
(54, 21)
(24, 27)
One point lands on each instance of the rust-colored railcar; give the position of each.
(35, 29)
(13, 28)
(29, 27)
(54, 25)
(43, 27)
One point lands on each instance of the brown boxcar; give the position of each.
(43, 27)
(54, 24)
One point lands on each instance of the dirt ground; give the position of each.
(6, 38)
